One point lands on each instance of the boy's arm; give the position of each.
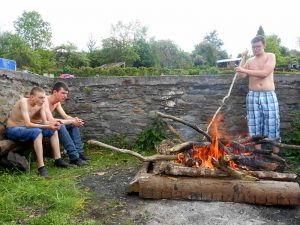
(68, 119)
(268, 68)
(243, 75)
(243, 64)
(27, 121)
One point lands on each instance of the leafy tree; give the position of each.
(62, 54)
(121, 46)
(116, 51)
(95, 57)
(12, 46)
(208, 51)
(260, 31)
(34, 30)
(91, 44)
(167, 54)
(143, 50)
(45, 61)
(273, 44)
(213, 38)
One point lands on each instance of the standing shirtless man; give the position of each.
(21, 126)
(262, 105)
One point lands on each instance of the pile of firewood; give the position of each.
(239, 159)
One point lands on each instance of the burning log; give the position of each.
(167, 148)
(222, 165)
(175, 169)
(254, 161)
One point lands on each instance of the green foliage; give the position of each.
(34, 30)
(213, 38)
(293, 137)
(54, 202)
(29, 199)
(208, 51)
(12, 46)
(151, 136)
(127, 43)
(120, 141)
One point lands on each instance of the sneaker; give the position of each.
(60, 163)
(78, 162)
(84, 157)
(43, 171)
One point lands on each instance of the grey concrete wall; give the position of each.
(121, 105)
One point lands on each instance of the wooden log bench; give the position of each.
(12, 152)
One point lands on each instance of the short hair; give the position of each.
(258, 38)
(58, 85)
(35, 90)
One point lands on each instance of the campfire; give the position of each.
(217, 169)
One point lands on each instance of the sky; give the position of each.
(185, 22)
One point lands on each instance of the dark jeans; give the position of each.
(69, 136)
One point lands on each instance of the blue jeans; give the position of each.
(24, 134)
(69, 136)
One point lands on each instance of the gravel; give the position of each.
(110, 204)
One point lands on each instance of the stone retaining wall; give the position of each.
(121, 105)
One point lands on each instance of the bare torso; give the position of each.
(16, 117)
(51, 106)
(260, 83)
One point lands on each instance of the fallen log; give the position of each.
(6, 146)
(156, 157)
(269, 175)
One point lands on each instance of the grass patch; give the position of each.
(29, 199)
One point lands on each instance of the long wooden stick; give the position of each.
(176, 133)
(130, 152)
(227, 96)
(195, 127)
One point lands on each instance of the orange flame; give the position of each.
(205, 153)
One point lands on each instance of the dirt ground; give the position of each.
(110, 204)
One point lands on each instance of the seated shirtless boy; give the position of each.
(21, 126)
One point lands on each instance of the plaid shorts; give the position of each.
(263, 114)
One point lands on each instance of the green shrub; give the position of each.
(293, 137)
(151, 136)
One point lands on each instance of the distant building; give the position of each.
(111, 65)
(225, 63)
